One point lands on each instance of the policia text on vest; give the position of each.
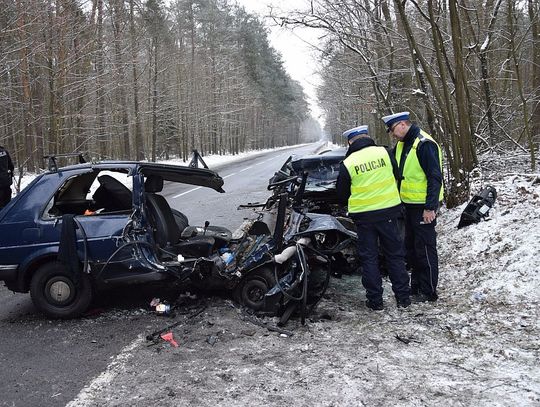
(373, 185)
(372, 165)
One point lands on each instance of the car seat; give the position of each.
(112, 195)
(167, 233)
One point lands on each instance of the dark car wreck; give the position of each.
(317, 195)
(77, 230)
(118, 235)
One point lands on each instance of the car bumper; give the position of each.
(8, 272)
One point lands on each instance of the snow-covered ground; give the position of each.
(502, 255)
(477, 346)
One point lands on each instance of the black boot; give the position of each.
(374, 306)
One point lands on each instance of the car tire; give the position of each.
(54, 292)
(252, 291)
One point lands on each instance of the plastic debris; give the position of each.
(163, 309)
(478, 207)
(168, 337)
(227, 257)
(211, 339)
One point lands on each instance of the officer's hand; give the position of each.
(429, 216)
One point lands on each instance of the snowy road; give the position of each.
(245, 181)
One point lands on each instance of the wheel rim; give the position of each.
(254, 293)
(59, 291)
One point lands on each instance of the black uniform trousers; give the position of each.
(422, 258)
(385, 232)
(5, 196)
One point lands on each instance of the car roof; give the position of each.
(184, 174)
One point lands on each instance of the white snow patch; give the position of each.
(485, 45)
(499, 257)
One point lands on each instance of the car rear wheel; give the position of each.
(55, 293)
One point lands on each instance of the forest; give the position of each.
(129, 79)
(154, 79)
(468, 71)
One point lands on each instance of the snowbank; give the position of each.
(499, 259)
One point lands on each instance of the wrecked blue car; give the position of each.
(78, 229)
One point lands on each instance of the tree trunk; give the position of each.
(534, 15)
(139, 145)
(104, 149)
(154, 48)
(121, 99)
(26, 92)
(520, 86)
(465, 137)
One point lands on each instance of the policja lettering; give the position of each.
(371, 165)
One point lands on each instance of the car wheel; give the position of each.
(54, 292)
(253, 290)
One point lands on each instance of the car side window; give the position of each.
(111, 192)
(91, 193)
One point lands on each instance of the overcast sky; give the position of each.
(294, 46)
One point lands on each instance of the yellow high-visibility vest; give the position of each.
(373, 185)
(414, 182)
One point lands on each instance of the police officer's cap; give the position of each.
(355, 132)
(394, 118)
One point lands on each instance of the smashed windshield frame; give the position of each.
(322, 169)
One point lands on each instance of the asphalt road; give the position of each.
(245, 181)
(47, 362)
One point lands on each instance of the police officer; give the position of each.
(419, 160)
(367, 183)
(6, 175)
